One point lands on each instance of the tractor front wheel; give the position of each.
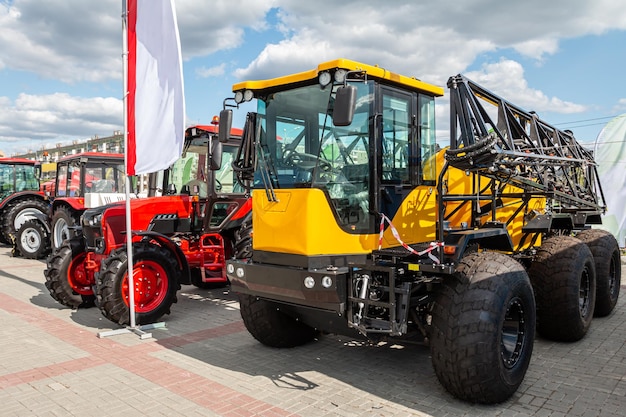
(62, 220)
(32, 240)
(66, 277)
(155, 282)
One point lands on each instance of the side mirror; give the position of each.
(226, 123)
(345, 102)
(215, 157)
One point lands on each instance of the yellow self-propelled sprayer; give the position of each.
(364, 227)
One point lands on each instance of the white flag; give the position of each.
(156, 102)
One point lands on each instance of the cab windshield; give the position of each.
(301, 148)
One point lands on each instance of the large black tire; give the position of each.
(62, 219)
(563, 275)
(155, 278)
(483, 327)
(66, 278)
(19, 212)
(607, 259)
(272, 327)
(32, 240)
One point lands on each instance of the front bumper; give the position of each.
(323, 288)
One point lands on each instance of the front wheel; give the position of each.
(67, 279)
(271, 326)
(32, 240)
(155, 282)
(483, 326)
(62, 221)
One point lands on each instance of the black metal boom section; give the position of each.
(520, 149)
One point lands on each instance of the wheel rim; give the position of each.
(61, 232)
(613, 282)
(77, 276)
(513, 333)
(583, 293)
(150, 283)
(30, 240)
(25, 215)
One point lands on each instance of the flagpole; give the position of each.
(129, 236)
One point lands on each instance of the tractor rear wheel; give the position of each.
(563, 275)
(272, 327)
(62, 220)
(32, 240)
(483, 327)
(607, 259)
(155, 282)
(66, 276)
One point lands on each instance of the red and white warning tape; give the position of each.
(394, 232)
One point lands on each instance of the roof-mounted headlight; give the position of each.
(241, 96)
(324, 78)
(340, 76)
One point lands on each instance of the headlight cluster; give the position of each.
(325, 77)
(92, 221)
(245, 95)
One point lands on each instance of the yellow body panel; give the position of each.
(372, 71)
(459, 183)
(302, 223)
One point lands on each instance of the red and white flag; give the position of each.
(156, 103)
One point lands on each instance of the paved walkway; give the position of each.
(204, 363)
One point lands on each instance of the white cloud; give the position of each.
(620, 107)
(430, 40)
(33, 121)
(506, 79)
(75, 40)
(215, 71)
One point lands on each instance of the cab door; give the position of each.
(397, 151)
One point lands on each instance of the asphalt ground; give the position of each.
(204, 363)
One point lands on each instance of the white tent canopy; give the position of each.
(610, 154)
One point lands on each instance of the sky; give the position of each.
(61, 60)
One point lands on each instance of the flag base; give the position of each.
(138, 330)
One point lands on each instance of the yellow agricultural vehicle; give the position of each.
(364, 227)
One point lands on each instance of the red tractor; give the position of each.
(20, 197)
(83, 180)
(182, 237)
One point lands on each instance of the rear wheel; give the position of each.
(155, 282)
(66, 277)
(62, 220)
(272, 327)
(32, 240)
(483, 325)
(607, 260)
(564, 278)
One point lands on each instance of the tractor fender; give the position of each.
(493, 237)
(20, 195)
(168, 243)
(43, 219)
